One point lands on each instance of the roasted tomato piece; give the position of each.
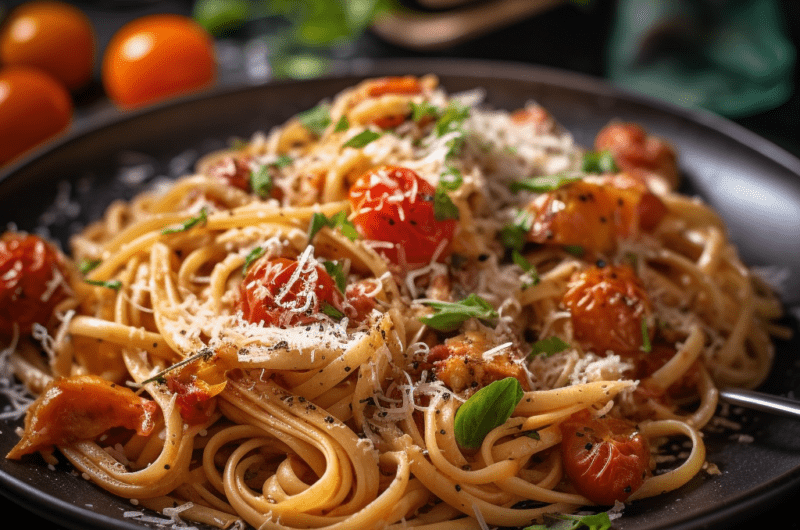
(459, 363)
(394, 205)
(606, 459)
(82, 408)
(32, 281)
(608, 305)
(359, 300)
(283, 292)
(394, 85)
(594, 215)
(638, 153)
(235, 171)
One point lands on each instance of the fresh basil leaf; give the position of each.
(542, 184)
(599, 162)
(253, 255)
(450, 179)
(443, 206)
(361, 139)
(549, 346)
(331, 311)
(486, 409)
(111, 284)
(452, 118)
(342, 125)
(283, 161)
(339, 220)
(201, 218)
(527, 267)
(316, 119)
(88, 265)
(646, 346)
(261, 181)
(448, 316)
(336, 272)
(421, 110)
(599, 521)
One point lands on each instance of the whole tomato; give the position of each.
(55, 37)
(156, 57)
(33, 108)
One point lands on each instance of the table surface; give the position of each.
(582, 52)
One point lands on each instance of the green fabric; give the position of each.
(731, 57)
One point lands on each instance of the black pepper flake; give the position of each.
(346, 368)
(600, 263)
(588, 446)
(301, 399)
(603, 219)
(166, 466)
(627, 489)
(458, 488)
(329, 419)
(483, 257)
(443, 431)
(580, 434)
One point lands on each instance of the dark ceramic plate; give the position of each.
(752, 183)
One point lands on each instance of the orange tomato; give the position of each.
(33, 108)
(53, 36)
(156, 57)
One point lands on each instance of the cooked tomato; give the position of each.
(358, 299)
(34, 107)
(82, 408)
(55, 37)
(276, 293)
(608, 305)
(648, 363)
(594, 214)
(235, 171)
(394, 205)
(32, 279)
(394, 85)
(606, 459)
(638, 153)
(156, 57)
(195, 399)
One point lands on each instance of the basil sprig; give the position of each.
(316, 119)
(200, 218)
(338, 220)
(336, 271)
(486, 409)
(448, 316)
(598, 521)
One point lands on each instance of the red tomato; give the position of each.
(637, 152)
(271, 295)
(394, 85)
(55, 37)
(34, 107)
(235, 171)
(30, 285)
(156, 57)
(608, 305)
(195, 398)
(606, 459)
(395, 205)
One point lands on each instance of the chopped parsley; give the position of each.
(200, 218)
(421, 110)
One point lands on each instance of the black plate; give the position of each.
(751, 182)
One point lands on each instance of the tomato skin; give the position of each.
(263, 284)
(54, 37)
(34, 107)
(607, 306)
(28, 266)
(409, 85)
(606, 459)
(156, 57)
(639, 153)
(395, 205)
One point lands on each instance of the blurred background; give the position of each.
(735, 58)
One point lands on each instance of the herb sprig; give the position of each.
(448, 316)
(489, 407)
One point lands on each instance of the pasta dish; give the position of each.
(399, 309)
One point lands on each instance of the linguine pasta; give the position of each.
(399, 309)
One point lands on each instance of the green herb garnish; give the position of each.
(514, 234)
(342, 125)
(361, 139)
(452, 118)
(201, 218)
(542, 184)
(489, 407)
(443, 206)
(448, 316)
(336, 272)
(421, 110)
(576, 250)
(88, 265)
(316, 119)
(331, 311)
(646, 346)
(261, 181)
(527, 267)
(549, 346)
(451, 179)
(339, 220)
(253, 255)
(111, 284)
(599, 521)
(282, 161)
(599, 162)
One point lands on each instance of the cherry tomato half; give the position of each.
(608, 305)
(55, 37)
(606, 459)
(156, 57)
(30, 287)
(34, 107)
(272, 295)
(395, 205)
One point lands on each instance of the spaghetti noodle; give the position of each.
(399, 309)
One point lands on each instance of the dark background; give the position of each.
(568, 37)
